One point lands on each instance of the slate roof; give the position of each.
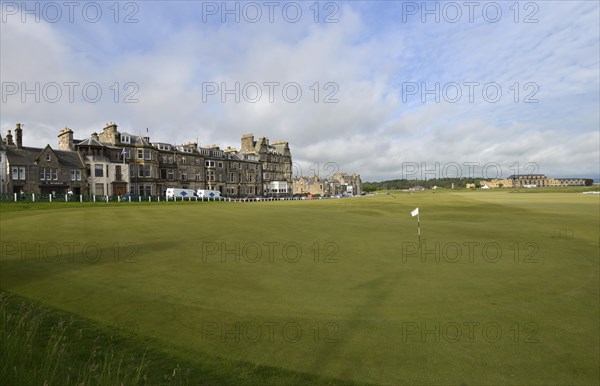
(29, 155)
(91, 142)
(137, 139)
(69, 158)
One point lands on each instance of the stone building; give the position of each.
(156, 166)
(113, 162)
(339, 184)
(244, 174)
(3, 166)
(571, 181)
(45, 171)
(314, 186)
(534, 180)
(107, 173)
(349, 184)
(276, 161)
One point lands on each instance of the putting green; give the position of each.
(504, 290)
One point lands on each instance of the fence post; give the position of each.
(66, 197)
(81, 198)
(107, 198)
(50, 198)
(94, 198)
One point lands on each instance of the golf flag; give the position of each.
(416, 213)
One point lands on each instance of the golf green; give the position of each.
(504, 288)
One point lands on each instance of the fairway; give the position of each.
(504, 290)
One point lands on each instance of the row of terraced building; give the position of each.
(114, 162)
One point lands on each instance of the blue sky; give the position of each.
(371, 54)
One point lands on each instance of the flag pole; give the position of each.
(419, 227)
(417, 213)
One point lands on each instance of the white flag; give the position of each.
(415, 212)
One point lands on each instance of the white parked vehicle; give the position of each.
(180, 193)
(209, 194)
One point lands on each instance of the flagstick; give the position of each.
(419, 227)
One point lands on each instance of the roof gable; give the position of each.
(46, 155)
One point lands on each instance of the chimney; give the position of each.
(65, 139)
(247, 142)
(193, 145)
(95, 136)
(110, 134)
(19, 136)
(9, 139)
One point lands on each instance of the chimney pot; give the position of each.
(19, 136)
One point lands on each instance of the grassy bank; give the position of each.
(44, 346)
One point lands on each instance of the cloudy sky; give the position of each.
(385, 89)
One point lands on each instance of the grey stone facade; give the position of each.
(342, 184)
(41, 170)
(115, 162)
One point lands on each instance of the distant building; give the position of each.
(342, 184)
(535, 180)
(349, 184)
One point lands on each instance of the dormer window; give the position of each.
(48, 157)
(125, 139)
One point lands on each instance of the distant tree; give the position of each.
(369, 187)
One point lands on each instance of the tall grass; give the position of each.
(41, 348)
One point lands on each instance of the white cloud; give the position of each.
(370, 130)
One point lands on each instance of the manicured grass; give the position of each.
(504, 290)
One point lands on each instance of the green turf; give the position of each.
(520, 307)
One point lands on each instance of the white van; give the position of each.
(209, 194)
(180, 193)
